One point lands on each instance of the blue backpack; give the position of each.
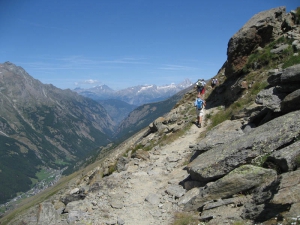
(199, 103)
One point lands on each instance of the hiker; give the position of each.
(214, 82)
(201, 86)
(199, 104)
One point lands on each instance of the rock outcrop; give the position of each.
(260, 30)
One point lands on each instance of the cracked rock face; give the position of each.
(257, 32)
(217, 162)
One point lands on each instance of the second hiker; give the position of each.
(200, 105)
(200, 84)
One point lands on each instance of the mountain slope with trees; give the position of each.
(42, 126)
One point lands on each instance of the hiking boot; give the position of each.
(199, 125)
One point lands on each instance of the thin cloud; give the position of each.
(76, 62)
(77, 59)
(124, 61)
(87, 82)
(90, 81)
(177, 67)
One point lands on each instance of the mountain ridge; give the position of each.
(45, 123)
(136, 95)
(122, 105)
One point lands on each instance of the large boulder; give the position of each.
(267, 138)
(290, 75)
(284, 94)
(122, 164)
(291, 102)
(158, 125)
(282, 197)
(257, 32)
(241, 179)
(141, 154)
(270, 98)
(219, 135)
(285, 159)
(47, 214)
(289, 189)
(74, 195)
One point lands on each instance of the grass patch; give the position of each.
(62, 162)
(220, 117)
(293, 60)
(183, 218)
(260, 160)
(42, 174)
(2, 209)
(265, 59)
(33, 181)
(112, 168)
(239, 223)
(257, 87)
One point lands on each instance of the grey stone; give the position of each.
(280, 49)
(153, 199)
(291, 102)
(270, 98)
(141, 154)
(219, 135)
(122, 164)
(117, 204)
(120, 221)
(286, 158)
(243, 178)
(175, 190)
(219, 161)
(289, 189)
(47, 214)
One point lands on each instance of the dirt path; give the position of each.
(150, 187)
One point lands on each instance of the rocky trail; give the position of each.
(148, 191)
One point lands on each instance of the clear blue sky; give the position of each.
(71, 43)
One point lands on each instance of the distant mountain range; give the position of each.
(119, 104)
(42, 126)
(137, 95)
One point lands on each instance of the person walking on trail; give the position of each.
(200, 84)
(200, 105)
(214, 82)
